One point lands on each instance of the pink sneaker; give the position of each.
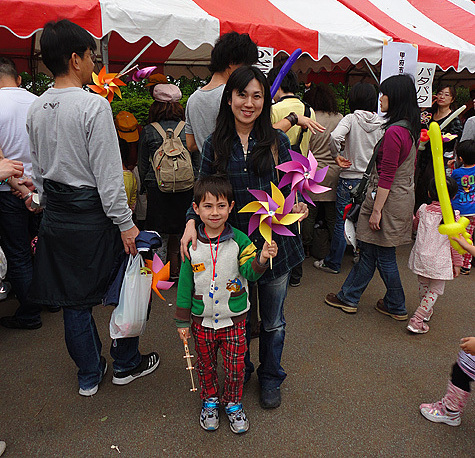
(417, 326)
(438, 413)
(429, 315)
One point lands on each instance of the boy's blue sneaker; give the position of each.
(238, 421)
(209, 417)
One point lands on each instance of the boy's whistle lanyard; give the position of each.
(214, 258)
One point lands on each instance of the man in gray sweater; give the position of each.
(87, 223)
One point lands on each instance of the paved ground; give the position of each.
(353, 387)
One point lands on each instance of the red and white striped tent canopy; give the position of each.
(329, 31)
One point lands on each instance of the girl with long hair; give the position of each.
(385, 219)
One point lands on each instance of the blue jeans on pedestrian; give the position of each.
(15, 223)
(338, 244)
(84, 347)
(272, 333)
(372, 257)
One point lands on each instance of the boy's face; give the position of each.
(213, 212)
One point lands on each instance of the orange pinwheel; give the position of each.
(106, 84)
(161, 273)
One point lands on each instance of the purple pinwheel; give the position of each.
(143, 73)
(302, 174)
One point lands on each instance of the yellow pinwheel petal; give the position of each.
(289, 219)
(251, 207)
(266, 232)
(95, 78)
(277, 196)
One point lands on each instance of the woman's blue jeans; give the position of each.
(272, 333)
(84, 347)
(372, 257)
(338, 244)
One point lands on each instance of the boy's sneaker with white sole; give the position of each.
(209, 416)
(238, 421)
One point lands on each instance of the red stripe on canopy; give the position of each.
(451, 17)
(266, 24)
(19, 18)
(428, 50)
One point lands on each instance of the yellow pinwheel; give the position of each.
(270, 213)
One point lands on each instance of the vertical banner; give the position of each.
(265, 61)
(398, 58)
(424, 80)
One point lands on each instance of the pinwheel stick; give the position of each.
(120, 75)
(189, 366)
(297, 201)
(270, 259)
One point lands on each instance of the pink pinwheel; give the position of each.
(302, 174)
(270, 213)
(143, 73)
(161, 273)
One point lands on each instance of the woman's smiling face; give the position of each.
(247, 105)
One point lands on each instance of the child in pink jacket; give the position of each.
(432, 258)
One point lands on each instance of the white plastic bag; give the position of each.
(3, 264)
(129, 317)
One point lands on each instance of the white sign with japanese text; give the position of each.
(398, 58)
(424, 80)
(265, 60)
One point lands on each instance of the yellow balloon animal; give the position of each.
(449, 227)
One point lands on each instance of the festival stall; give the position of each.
(333, 34)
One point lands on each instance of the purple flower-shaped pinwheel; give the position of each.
(302, 174)
(143, 73)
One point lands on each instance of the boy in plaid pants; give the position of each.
(213, 295)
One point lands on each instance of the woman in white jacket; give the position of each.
(358, 133)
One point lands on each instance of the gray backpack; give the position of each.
(172, 161)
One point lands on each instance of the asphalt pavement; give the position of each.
(353, 387)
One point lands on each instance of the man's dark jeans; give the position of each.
(15, 224)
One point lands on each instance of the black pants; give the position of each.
(460, 379)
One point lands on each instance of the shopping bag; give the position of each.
(3, 264)
(129, 317)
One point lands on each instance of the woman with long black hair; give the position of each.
(245, 147)
(385, 219)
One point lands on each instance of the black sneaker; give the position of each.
(12, 322)
(294, 283)
(148, 364)
(270, 399)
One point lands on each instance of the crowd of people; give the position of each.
(85, 184)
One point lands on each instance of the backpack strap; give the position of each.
(178, 129)
(160, 130)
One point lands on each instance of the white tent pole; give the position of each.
(135, 58)
(105, 51)
(371, 71)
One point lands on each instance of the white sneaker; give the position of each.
(209, 417)
(92, 391)
(438, 413)
(238, 421)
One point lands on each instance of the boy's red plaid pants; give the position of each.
(232, 343)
